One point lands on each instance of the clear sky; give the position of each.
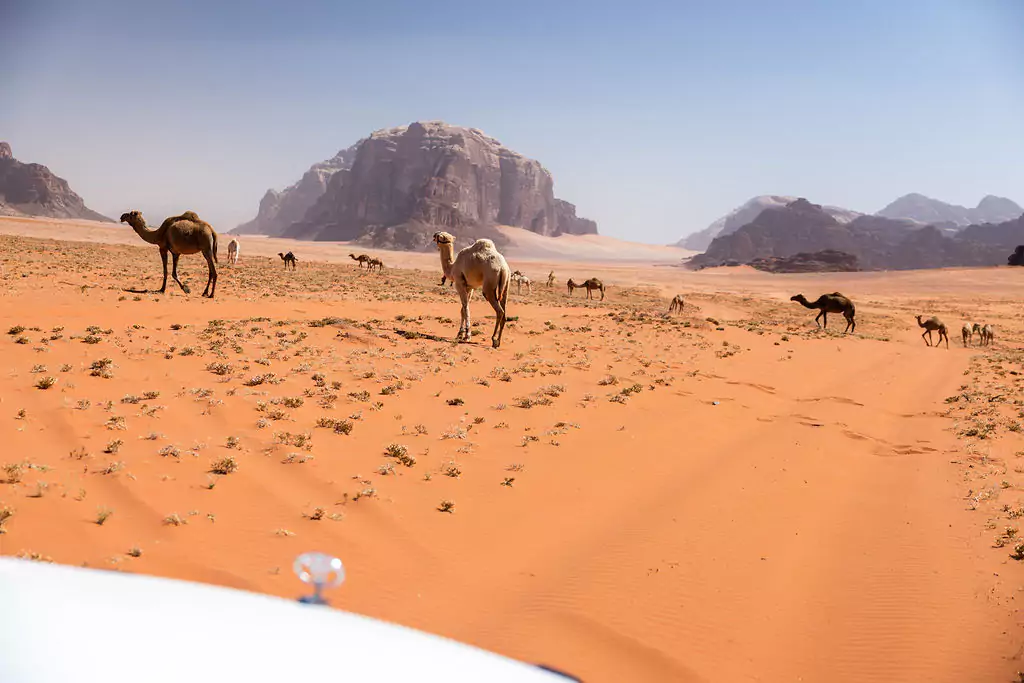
(655, 118)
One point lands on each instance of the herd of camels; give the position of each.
(478, 266)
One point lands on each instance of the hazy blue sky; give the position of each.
(655, 118)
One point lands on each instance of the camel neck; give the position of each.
(149, 235)
(447, 257)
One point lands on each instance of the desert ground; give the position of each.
(727, 494)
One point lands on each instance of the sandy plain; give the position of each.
(729, 494)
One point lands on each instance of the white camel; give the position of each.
(478, 266)
(520, 280)
(233, 251)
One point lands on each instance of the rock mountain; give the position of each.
(917, 207)
(740, 216)
(399, 185)
(33, 190)
(278, 210)
(949, 218)
(878, 243)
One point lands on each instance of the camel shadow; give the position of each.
(413, 334)
(133, 290)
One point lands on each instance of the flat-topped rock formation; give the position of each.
(396, 187)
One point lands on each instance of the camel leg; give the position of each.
(602, 294)
(464, 322)
(817, 319)
(927, 340)
(174, 274)
(163, 257)
(499, 317)
(947, 340)
(211, 282)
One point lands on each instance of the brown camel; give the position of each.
(180, 235)
(551, 279)
(967, 332)
(362, 258)
(375, 263)
(478, 266)
(288, 258)
(933, 324)
(677, 304)
(830, 303)
(590, 285)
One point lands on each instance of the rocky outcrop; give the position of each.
(751, 209)
(405, 183)
(925, 210)
(33, 190)
(568, 223)
(825, 261)
(878, 243)
(279, 210)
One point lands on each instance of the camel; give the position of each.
(967, 332)
(361, 259)
(677, 304)
(478, 266)
(830, 303)
(375, 263)
(933, 324)
(520, 280)
(988, 333)
(590, 285)
(288, 258)
(233, 250)
(551, 279)
(180, 235)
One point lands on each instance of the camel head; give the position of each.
(798, 297)
(131, 216)
(443, 238)
(918, 319)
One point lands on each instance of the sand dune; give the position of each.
(726, 495)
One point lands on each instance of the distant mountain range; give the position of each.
(34, 190)
(740, 216)
(399, 185)
(877, 242)
(915, 207)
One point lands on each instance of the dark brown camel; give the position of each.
(185, 234)
(589, 285)
(830, 303)
(933, 324)
(288, 258)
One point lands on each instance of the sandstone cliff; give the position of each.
(33, 190)
(877, 243)
(401, 184)
(279, 210)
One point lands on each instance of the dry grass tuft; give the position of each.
(225, 466)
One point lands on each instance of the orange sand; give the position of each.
(771, 503)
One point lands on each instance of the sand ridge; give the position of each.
(725, 495)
